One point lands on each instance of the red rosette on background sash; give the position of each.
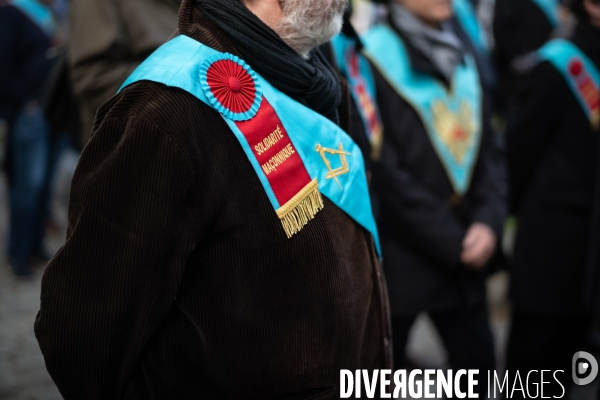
(587, 89)
(231, 87)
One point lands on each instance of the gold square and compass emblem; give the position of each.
(334, 172)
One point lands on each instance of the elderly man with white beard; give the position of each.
(221, 243)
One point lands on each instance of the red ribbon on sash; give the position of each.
(275, 153)
(365, 102)
(235, 94)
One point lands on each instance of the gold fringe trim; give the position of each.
(301, 208)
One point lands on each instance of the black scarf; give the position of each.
(311, 82)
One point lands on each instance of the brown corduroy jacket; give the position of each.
(177, 280)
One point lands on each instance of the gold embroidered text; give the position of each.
(278, 159)
(269, 141)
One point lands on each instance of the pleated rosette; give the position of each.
(231, 86)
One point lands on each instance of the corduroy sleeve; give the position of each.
(115, 279)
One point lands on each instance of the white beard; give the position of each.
(307, 24)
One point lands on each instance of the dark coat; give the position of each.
(177, 280)
(421, 232)
(24, 62)
(553, 164)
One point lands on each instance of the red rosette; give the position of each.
(231, 87)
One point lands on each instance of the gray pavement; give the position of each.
(23, 375)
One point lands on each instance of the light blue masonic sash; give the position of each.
(581, 74)
(467, 17)
(297, 153)
(452, 118)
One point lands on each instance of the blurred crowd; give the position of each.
(514, 147)
(535, 178)
(57, 67)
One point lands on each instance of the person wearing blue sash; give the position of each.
(439, 179)
(523, 26)
(222, 243)
(554, 166)
(345, 53)
(26, 37)
(520, 28)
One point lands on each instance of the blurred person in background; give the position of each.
(26, 42)
(554, 167)
(221, 242)
(520, 28)
(109, 39)
(440, 180)
(523, 26)
(345, 53)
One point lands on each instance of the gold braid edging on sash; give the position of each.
(301, 208)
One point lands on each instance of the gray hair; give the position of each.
(307, 24)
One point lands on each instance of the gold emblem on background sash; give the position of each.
(456, 130)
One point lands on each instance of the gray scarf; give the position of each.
(442, 47)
